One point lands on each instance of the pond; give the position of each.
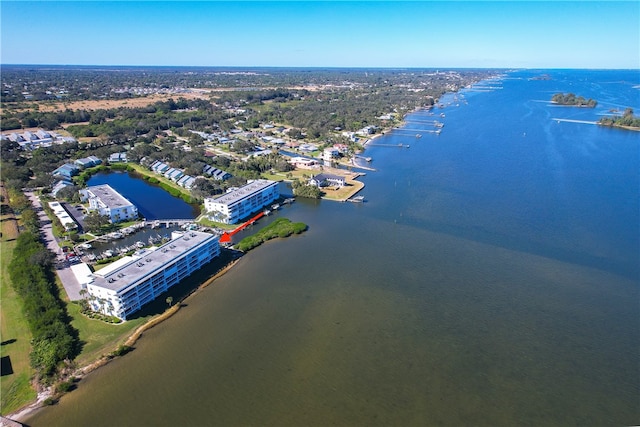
(152, 201)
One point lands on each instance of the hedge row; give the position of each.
(54, 339)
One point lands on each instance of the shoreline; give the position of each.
(29, 409)
(23, 413)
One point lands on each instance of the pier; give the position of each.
(416, 132)
(168, 222)
(372, 144)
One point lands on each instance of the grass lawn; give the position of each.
(15, 388)
(208, 223)
(351, 188)
(146, 172)
(100, 338)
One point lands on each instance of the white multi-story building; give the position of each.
(242, 202)
(63, 216)
(108, 201)
(131, 282)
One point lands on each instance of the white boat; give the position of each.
(139, 244)
(85, 246)
(275, 207)
(108, 253)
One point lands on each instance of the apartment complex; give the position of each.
(123, 287)
(235, 205)
(108, 201)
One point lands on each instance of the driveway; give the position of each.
(68, 279)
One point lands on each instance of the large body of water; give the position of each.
(492, 278)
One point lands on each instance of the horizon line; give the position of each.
(322, 67)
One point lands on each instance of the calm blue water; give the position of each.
(503, 172)
(491, 279)
(152, 201)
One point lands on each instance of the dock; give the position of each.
(390, 145)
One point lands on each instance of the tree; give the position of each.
(169, 300)
(94, 222)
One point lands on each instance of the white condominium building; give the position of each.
(123, 287)
(242, 202)
(108, 201)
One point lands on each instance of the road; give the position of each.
(68, 279)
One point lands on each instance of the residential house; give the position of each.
(327, 180)
(88, 162)
(66, 171)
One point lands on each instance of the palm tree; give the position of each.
(169, 300)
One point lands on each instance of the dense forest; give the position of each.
(39, 83)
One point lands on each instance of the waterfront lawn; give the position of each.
(15, 388)
(99, 338)
(202, 220)
(349, 190)
(168, 185)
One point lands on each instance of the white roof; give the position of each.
(83, 273)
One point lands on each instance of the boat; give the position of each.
(266, 212)
(275, 207)
(418, 135)
(139, 244)
(117, 235)
(108, 253)
(357, 199)
(85, 246)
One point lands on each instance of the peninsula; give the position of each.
(627, 121)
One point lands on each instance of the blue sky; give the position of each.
(537, 34)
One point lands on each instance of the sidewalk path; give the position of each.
(68, 279)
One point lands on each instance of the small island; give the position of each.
(571, 99)
(281, 227)
(627, 121)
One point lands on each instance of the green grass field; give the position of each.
(100, 338)
(15, 388)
